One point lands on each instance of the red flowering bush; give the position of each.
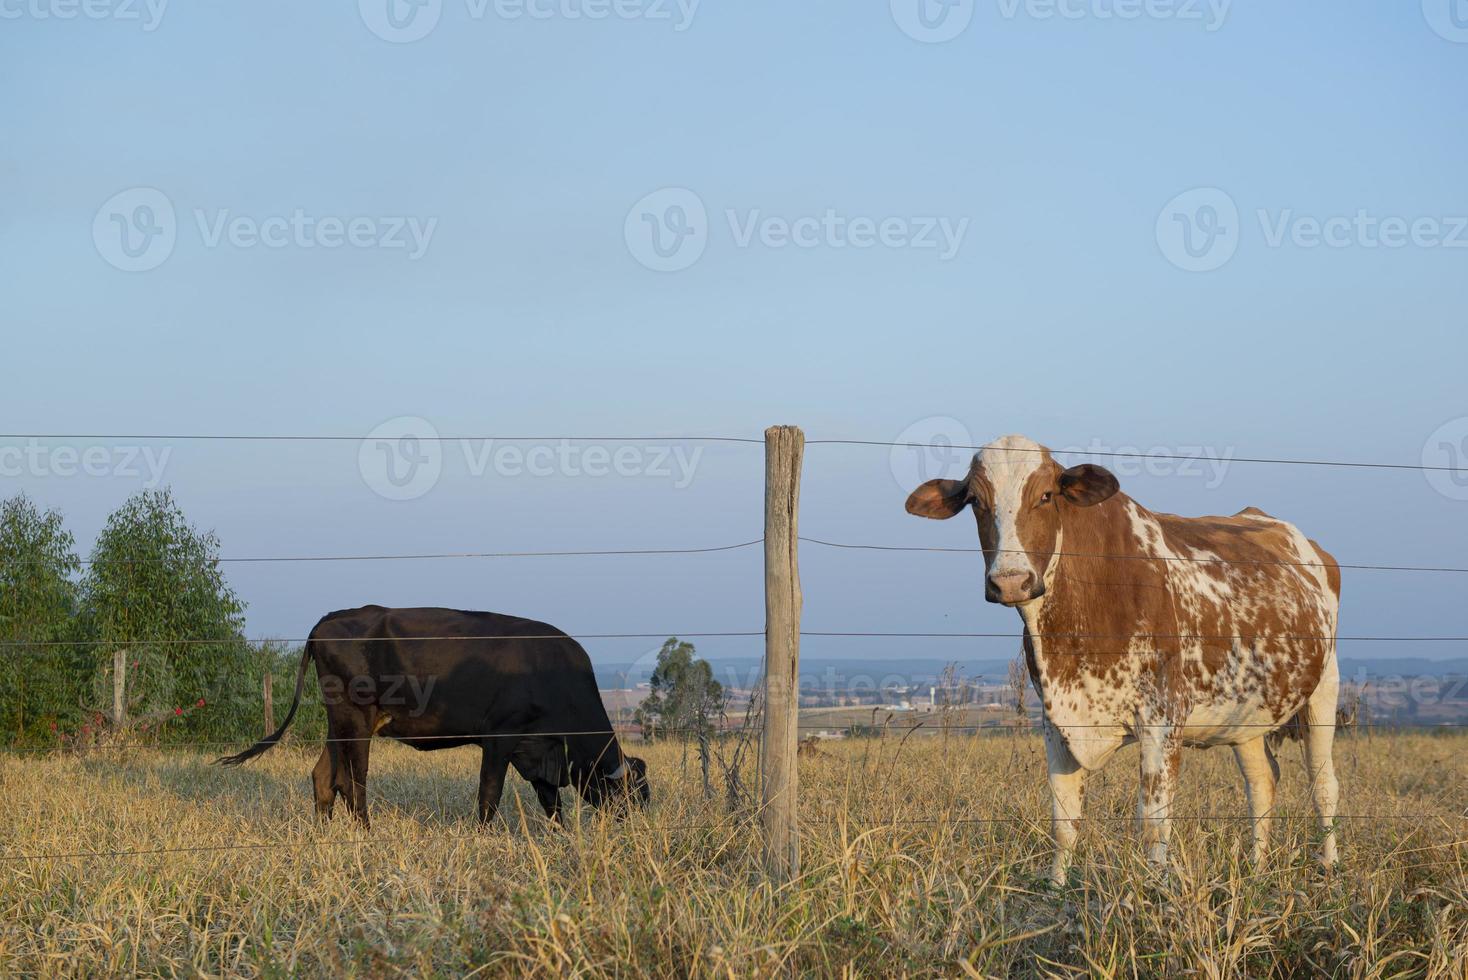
(97, 728)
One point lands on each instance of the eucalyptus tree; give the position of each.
(154, 588)
(40, 676)
(684, 698)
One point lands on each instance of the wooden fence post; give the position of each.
(703, 760)
(119, 689)
(269, 702)
(784, 448)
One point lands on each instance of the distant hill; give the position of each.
(1354, 667)
(840, 673)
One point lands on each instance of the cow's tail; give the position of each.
(268, 742)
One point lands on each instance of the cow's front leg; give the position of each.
(492, 777)
(1067, 800)
(1161, 753)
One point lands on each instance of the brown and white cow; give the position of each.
(1157, 629)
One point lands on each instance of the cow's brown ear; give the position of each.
(938, 499)
(1087, 484)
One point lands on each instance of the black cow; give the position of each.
(523, 691)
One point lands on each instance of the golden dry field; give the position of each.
(925, 858)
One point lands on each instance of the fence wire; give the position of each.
(864, 731)
(143, 641)
(713, 549)
(743, 440)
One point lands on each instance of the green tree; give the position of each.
(40, 677)
(685, 699)
(239, 697)
(155, 589)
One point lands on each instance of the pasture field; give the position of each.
(923, 857)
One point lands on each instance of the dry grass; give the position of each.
(901, 877)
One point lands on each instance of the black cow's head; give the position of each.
(625, 784)
(636, 781)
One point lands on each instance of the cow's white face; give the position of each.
(1018, 494)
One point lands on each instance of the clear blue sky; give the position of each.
(1066, 312)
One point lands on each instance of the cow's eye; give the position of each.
(1045, 497)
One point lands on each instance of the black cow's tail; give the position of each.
(268, 742)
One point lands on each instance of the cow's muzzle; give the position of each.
(1012, 587)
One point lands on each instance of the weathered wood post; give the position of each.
(703, 760)
(119, 689)
(784, 448)
(267, 685)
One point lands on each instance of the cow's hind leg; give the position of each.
(1161, 754)
(1067, 800)
(1318, 717)
(1261, 775)
(324, 781)
(329, 779)
(353, 747)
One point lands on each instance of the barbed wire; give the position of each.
(426, 556)
(1127, 454)
(292, 739)
(1168, 558)
(712, 549)
(1148, 636)
(752, 543)
(863, 731)
(665, 634)
(253, 437)
(744, 440)
(259, 641)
